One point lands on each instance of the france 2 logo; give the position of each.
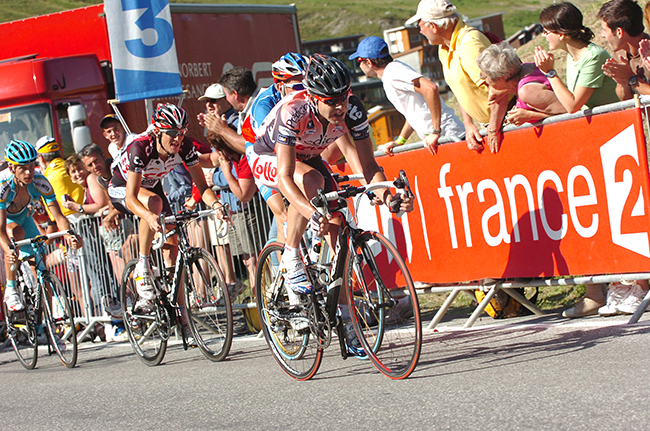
(623, 184)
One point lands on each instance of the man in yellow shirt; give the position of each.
(51, 163)
(460, 45)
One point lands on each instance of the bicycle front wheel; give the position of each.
(58, 319)
(297, 353)
(21, 330)
(208, 305)
(383, 305)
(146, 337)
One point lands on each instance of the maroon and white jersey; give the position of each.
(141, 157)
(294, 121)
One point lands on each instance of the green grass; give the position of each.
(333, 18)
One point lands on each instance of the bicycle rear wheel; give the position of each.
(208, 305)
(383, 305)
(297, 353)
(58, 319)
(149, 342)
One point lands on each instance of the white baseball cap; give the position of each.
(429, 10)
(215, 91)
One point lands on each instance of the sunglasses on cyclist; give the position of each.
(333, 101)
(174, 133)
(298, 86)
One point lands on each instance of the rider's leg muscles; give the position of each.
(276, 204)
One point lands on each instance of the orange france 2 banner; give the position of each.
(569, 198)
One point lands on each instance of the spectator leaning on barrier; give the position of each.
(103, 284)
(235, 173)
(413, 95)
(622, 28)
(586, 85)
(52, 166)
(460, 45)
(505, 75)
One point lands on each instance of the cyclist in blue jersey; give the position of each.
(288, 73)
(20, 188)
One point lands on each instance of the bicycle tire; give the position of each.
(58, 318)
(386, 319)
(142, 327)
(299, 355)
(22, 330)
(208, 306)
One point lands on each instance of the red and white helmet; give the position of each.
(168, 116)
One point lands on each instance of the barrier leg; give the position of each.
(445, 306)
(639, 311)
(481, 307)
(525, 302)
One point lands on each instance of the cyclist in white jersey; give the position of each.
(294, 134)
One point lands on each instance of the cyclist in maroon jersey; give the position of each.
(136, 186)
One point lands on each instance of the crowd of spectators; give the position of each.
(492, 85)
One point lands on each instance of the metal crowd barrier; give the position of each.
(492, 286)
(93, 273)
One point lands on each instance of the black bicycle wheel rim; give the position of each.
(145, 338)
(21, 329)
(392, 335)
(208, 306)
(59, 320)
(23, 339)
(297, 354)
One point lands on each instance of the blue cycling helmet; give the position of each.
(20, 153)
(289, 66)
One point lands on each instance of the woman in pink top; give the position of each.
(505, 74)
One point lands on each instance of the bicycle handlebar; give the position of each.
(401, 184)
(41, 238)
(184, 216)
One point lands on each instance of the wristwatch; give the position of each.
(551, 74)
(633, 82)
(81, 209)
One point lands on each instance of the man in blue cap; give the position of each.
(413, 95)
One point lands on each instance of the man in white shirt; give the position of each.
(413, 95)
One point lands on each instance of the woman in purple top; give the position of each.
(505, 74)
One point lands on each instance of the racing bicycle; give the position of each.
(48, 316)
(194, 287)
(378, 287)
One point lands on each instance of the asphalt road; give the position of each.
(530, 373)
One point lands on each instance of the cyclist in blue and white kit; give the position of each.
(20, 188)
(288, 73)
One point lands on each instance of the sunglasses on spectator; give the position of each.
(174, 133)
(333, 101)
